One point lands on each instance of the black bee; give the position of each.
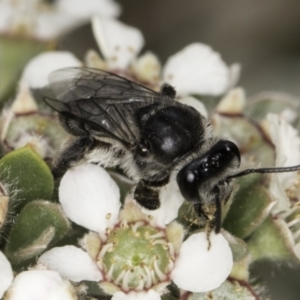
(152, 137)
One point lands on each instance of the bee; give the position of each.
(152, 137)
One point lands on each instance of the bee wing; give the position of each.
(105, 100)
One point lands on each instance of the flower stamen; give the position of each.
(159, 273)
(136, 225)
(154, 280)
(170, 265)
(157, 235)
(104, 249)
(140, 286)
(125, 281)
(148, 277)
(110, 272)
(120, 277)
(161, 242)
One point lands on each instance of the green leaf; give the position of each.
(39, 224)
(272, 240)
(25, 171)
(249, 209)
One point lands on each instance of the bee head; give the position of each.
(205, 176)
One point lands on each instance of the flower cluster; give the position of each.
(84, 236)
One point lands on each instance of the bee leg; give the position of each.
(147, 196)
(210, 220)
(215, 222)
(218, 215)
(208, 229)
(73, 154)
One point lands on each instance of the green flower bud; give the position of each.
(272, 240)
(252, 204)
(27, 174)
(39, 224)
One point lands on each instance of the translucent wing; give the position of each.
(100, 98)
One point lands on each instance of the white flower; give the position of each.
(287, 147)
(119, 43)
(194, 254)
(93, 184)
(37, 70)
(196, 69)
(284, 187)
(6, 274)
(84, 267)
(91, 198)
(36, 19)
(40, 284)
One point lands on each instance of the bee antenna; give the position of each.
(266, 170)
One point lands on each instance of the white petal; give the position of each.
(6, 274)
(234, 75)
(233, 102)
(6, 14)
(147, 68)
(71, 263)
(38, 69)
(40, 284)
(283, 136)
(119, 43)
(287, 147)
(86, 9)
(50, 25)
(289, 115)
(24, 101)
(90, 197)
(198, 269)
(279, 195)
(170, 201)
(197, 69)
(149, 295)
(197, 104)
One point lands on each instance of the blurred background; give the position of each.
(263, 36)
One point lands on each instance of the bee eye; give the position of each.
(190, 177)
(187, 182)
